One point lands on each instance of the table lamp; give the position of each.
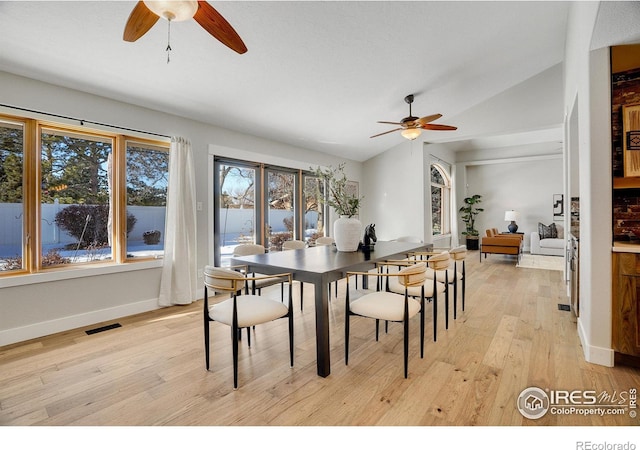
(511, 216)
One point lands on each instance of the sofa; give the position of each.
(503, 244)
(548, 240)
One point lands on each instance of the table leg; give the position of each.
(322, 327)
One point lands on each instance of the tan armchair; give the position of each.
(503, 244)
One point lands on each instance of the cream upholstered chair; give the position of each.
(327, 240)
(389, 306)
(296, 245)
(293, 245)
(429, 290)
(259, 281)
(458, 254)
(438, 269)
(241, 311)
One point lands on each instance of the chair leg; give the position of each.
(435, 309)
(378, 328)
(290, 318)
(301, 296)
(455, 290)
(406, 337)
(422, 324)
(206, 329)
(248, 336)
(446, 300)
(347, 315)
(464, 279)
(235, 331)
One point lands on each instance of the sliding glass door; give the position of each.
(260, 204)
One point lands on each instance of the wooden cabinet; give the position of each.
(626, 310)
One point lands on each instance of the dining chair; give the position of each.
(389, 306)
(241, 311)
(296, 245)
(458, 254)
(430, 289)
(322, 241)
(259, 281)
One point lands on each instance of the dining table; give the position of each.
(321, 265)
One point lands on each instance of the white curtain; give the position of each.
(178, 284)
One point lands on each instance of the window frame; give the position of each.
(445, 197)
(32, 197)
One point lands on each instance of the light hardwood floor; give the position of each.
(151, 370)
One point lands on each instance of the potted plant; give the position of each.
(468, 215)
(342, 198)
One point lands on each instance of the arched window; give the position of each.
(440, 200)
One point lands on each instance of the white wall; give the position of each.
(587, 81)
(35, 305)
(524, 184)
(394, 187)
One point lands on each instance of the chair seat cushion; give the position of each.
(252, 310)
(384, 306)
(415, 291)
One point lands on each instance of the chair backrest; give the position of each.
(439, 261)
(222, 279)
(458, 253)
(293, 245)
(325, 240)
(416, 274)
(414, 239)
(248, 249)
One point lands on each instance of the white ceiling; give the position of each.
(317, 75)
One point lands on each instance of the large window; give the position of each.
(440, 200)
(71, 197)
(267, 205)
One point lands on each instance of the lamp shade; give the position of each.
(411, 133)
(511, 216)
(173, 10)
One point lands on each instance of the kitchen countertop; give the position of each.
(625, 247)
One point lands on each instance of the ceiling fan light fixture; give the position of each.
(411, 133)
(175, 11)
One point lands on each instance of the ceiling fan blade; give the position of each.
(140, 21)
(391, 123)
(436, 127)
(386, 132)
(217, 26)
(425, 120)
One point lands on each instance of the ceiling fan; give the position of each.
(412, 126)
(146, 13)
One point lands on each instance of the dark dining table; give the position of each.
(320, 266)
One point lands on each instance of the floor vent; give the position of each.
(562, 307)
(105, 328)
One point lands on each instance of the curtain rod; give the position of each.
(83, 121)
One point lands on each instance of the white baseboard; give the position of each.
(592, 354)
(40, 329)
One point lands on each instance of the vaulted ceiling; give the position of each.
(317, 75)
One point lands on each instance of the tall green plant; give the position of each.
(469, 212)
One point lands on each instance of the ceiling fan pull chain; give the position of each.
(169, 42)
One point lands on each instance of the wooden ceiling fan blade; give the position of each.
(140, 21)
(386, 132)
(217, 26)
(426, 119)
(436, 127)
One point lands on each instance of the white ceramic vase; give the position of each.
(346, 232)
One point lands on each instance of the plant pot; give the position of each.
(346, 232)
(473, 242)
